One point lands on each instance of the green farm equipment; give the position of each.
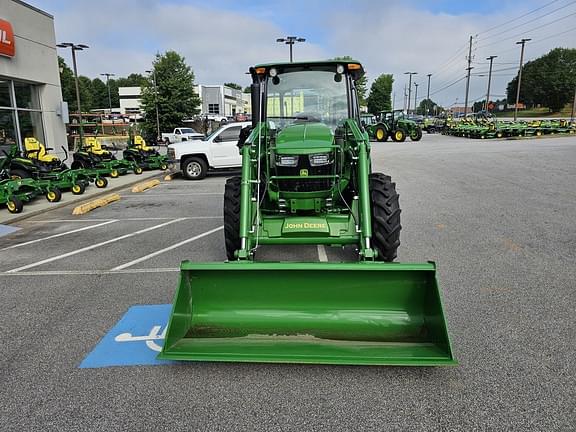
(307, 179)
(145, 156)
(394, 125)
(94, 156)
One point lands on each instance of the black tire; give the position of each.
(114, 173)
(385, 216)
(194, 168)
(416, 135)
(78, 188)
(399, 135)
(18, 173)
(380, 134)
(101, 182)
(163, 166)
(54, 195)
(138, 170)
(15, 205)
(232, 216)
(78, 165)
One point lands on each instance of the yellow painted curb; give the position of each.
(141, 187)
(168, 177)
(91, 205)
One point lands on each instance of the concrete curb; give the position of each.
(94, 204)
(141, 187)
(54, 206)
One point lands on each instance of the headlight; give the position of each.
(320, 159)
(287, 161)
(171, 153)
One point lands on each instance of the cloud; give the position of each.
(221, 39)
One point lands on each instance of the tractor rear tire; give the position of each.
(399, 135)
(385, 216)
(232, 216)
(416, 135)
(380, 134)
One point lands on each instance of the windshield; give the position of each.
(188, 131)
(307, 96)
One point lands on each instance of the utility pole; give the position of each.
(573, 107)
(74, 48)
(405, 96)
(290, 40)
(428, 96)
(409, 88)
(522, 42)
(469, 68)
(491, 58)
(416, 98)
(108, 75)
(158, 135)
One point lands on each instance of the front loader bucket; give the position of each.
(337, 313)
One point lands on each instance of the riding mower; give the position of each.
(51, 173)
(307, 179)
(15, 192)
(144, 156)
(93, 155)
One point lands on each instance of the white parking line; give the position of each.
(173, 194)
(90, 272)
(120, 220)
(322, 253)
(169, 248)
(94, 246)
(59, 235)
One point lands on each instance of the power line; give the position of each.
(528, 22)
(517, 18)
(448, 86)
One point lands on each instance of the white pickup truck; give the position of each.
(181, 134)
(218, 150)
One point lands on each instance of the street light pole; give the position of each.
(491, 58)
(409, 88)
(416, 98)
(522, 42)
(153, 72)
(428, 96)
(74, 48)
(290, 40)
(108, 75)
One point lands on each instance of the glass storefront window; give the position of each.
(31, 125)
(26, 95)
(7, 129)
(5, 94)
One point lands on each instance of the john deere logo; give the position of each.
(303, 173)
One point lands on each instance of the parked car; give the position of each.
(219, 150)
(181, 134)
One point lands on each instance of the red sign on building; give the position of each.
(7, 46)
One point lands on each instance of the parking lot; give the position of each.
(496, 216)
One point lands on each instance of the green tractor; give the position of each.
(307, 179)
(394, 125)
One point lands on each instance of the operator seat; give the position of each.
(35, 150)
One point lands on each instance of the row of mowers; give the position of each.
(483, 128)
(32, 172)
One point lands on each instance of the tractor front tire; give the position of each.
(385, 216)
(416, 135)
(380, 134)
(399, 135)
(232, 216)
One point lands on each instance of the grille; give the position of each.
(304, 184)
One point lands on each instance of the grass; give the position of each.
(537, 112)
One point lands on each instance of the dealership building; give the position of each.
(30, 94)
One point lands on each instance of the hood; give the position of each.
(305, 138)
(185, 145)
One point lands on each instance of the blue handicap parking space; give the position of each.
(135, 340)
(7, 229)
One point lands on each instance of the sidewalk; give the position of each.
(41, 205)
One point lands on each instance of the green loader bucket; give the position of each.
(333, 313)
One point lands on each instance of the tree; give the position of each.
(67, 84)
(132, 80)
(233, 85)
(549, 80)
(176, 99)
(427, 107)
(380, 91)
(361, 84)
(247, 89)
(99, 93)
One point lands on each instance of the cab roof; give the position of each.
(284, 65)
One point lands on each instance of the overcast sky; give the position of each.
(222, 38)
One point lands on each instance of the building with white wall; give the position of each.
(30, 94)
(130, 101)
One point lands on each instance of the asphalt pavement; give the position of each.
(497, 216)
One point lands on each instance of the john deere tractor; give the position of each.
(307, 179)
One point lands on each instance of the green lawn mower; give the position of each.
(307, 179)
(94, 156)
(145, 156)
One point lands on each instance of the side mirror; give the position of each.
(244, 134)
(217, 138)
